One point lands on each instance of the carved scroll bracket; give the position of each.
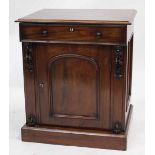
(31, 120)
(28, 57)
(117, 128)
(118, 62)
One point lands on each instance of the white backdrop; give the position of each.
(20, 8)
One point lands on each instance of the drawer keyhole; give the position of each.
(71, 29)
(98, 35)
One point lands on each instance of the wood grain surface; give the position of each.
(97, 16)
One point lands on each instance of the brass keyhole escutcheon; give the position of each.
(71, 29)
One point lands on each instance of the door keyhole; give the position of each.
(41, 85)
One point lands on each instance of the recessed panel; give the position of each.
(74, 87)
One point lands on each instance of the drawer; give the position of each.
(80, 33)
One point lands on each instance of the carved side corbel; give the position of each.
(118, 62)
(31, 120)
(28, 57)
(117, 128)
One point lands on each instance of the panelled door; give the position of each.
(73, 85)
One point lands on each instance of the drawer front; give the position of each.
(107, 34)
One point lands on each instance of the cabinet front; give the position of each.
(73, 85)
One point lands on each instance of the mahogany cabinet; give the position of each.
(77, 76)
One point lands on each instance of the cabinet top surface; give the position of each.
(85, 16)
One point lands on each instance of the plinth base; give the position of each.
(77, 137)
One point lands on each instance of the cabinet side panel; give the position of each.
(125, 97)
(29, 82)
(131, 62)
(129, 76)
